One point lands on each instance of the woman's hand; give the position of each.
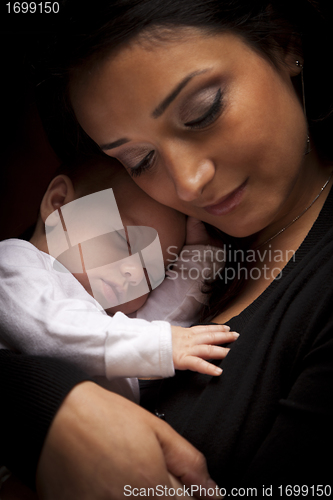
(99, 442)
(192, 346)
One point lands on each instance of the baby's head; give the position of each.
(115, 272)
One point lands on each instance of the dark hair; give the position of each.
(90, 173)
(90, 33)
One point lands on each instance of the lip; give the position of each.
(229, 202)
(112, 293)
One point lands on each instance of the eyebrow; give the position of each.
(174, 93)
(159, 110)
(115, 144)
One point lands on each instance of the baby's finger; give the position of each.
(214, 338)
(209, 351)
(201, 366)
(209, 328)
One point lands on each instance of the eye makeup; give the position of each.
(137, 161)
(196, 113)
(143, 165)
(210, 115)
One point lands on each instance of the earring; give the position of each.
(308, 145)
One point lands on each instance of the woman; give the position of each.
(213, 108)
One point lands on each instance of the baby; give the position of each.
(103, 268)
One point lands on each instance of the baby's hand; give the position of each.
(196, 233)
(192, 346)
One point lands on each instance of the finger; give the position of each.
(214, 338)
(178, 486)
(183, 460)
(208, 352)
(199, 365)
(210, 328)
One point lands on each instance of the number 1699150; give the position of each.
(33, 7)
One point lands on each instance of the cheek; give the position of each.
(83, 279)
(161, 188)
(172, 234)
(260, 140)
(129, 307)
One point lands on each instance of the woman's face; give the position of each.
(205, 125)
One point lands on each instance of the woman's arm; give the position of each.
(100, 443)
(87, 442)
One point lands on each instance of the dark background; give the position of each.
(27, 160)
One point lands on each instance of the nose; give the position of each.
(190, 174)
(132, 272)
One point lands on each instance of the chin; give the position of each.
(129, 307)
(242, 226)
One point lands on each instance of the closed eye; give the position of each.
(209, 116)
(143, 165)
(199, 123)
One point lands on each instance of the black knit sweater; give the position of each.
(268, 418)
(31, 391)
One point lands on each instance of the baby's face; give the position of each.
(123, 277)
(138, 209)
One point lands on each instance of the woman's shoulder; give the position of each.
(316, 252)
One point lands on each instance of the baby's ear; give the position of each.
(59, 192)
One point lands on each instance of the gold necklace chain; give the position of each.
(298, 216)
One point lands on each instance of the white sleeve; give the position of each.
(179, 299)
(46, 312)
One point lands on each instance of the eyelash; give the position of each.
(202, 122)
(210, 115)
(143, 166)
